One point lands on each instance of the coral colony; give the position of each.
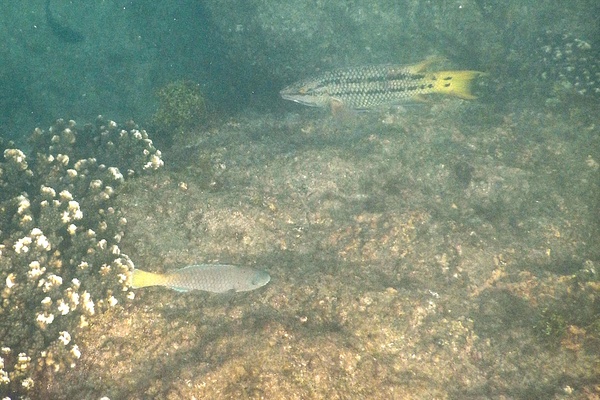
(60, 261)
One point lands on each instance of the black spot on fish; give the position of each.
(62, 32)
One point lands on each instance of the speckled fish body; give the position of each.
(374, 86)
(216, 278)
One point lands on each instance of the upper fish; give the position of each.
(374, 86)
(215, 278)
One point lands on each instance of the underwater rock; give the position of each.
(569, 63)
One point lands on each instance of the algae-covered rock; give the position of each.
(181, 107)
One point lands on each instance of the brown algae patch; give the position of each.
(419, 259)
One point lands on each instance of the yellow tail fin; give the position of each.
(142, 279)
(455, 83)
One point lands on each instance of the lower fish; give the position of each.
(375, 86)
(215, 278)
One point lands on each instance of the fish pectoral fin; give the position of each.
(419, 98)
(337, 106)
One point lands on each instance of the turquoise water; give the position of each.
(445, 249)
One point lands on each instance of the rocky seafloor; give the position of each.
(449, 251)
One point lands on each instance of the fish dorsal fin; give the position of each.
(423, 65)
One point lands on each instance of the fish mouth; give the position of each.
(296, 98)
(261, 279)
(290, 96)
(286, 94)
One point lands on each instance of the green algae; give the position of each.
(181, 107)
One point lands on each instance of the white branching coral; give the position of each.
(11, 280)
(47, 191)
(64, 338)
(22, 245)
(16, 156)
(115, 174)
(60, 260)
(24, 205)
(35, 271)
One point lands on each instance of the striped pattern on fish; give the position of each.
(374, 86)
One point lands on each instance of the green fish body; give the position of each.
(215, 278)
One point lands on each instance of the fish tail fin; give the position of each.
(142, 279)
(456, 83)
